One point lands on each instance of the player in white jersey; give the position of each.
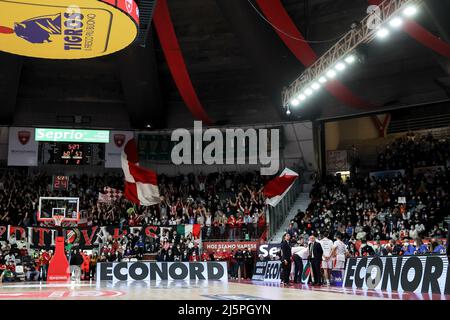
(327, 261)
(339, 252)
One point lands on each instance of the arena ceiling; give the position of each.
(238, 66)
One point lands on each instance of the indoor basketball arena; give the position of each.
(224, 150)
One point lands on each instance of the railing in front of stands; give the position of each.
(250, 232)
(276, 215)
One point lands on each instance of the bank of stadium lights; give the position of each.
(317, 85)
(383, 31)
(396, 22)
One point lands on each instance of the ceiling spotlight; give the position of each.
(295, 102)
(301, 97)
(350, 59)
(410, 11)
(396, 22)
(340, 66)
(382, 33)
(308, 92)
(322, 79)
(288, 112)
(148, 126)
(331, 74)
(315, 86)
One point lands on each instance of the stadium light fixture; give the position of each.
(340, 66)
(331, 74)
(295, 102)
(322, 79)
(396, 22)
(315, 86)
(350, 59)
(288, 112)
(410, 11)
(308, 92)
(382, 33)
(301, 97)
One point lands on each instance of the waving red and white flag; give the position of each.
(277, 188)
(141, 184)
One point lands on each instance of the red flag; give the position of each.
(141, 184)
(276, 188)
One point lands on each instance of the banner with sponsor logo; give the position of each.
(429, 170)
(84, 238)
(269, 251)
(67, 29)
(114, 148)
(267, 271)
(337, 160)
(228, 246)
(22, 147)
(387, 174)
(154, 271)
(418, 274)
(270, 271)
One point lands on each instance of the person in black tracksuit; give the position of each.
(286, 254)
(239, 257)
(315, 257)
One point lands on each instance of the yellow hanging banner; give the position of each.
(67, 29)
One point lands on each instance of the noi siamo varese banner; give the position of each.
(67, 29)
(84, 238)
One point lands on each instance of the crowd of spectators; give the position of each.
(399, 208)
(412, 151)
(228, 206)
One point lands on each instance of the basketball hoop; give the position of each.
(58, 219)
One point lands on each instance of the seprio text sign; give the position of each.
(72, 135)
(152, 271)
(417, 274)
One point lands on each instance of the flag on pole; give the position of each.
(109, 195)
(141, 184)
(277, 188)
(186, 229)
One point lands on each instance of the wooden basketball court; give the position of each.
(197, 290)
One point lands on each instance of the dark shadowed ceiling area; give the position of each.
(238, 66)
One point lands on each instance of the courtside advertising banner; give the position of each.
(269, 251)
(114, 148)
(22, 147)
(267, 271)
(67, 29)
(417, 274)
(155, 271)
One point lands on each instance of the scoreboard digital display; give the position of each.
(74, 154)
(60, 183)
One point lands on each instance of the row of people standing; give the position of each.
(324, 256)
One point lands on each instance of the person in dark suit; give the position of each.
(286, 254)
(315, 257)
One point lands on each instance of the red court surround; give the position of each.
(59, 269)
